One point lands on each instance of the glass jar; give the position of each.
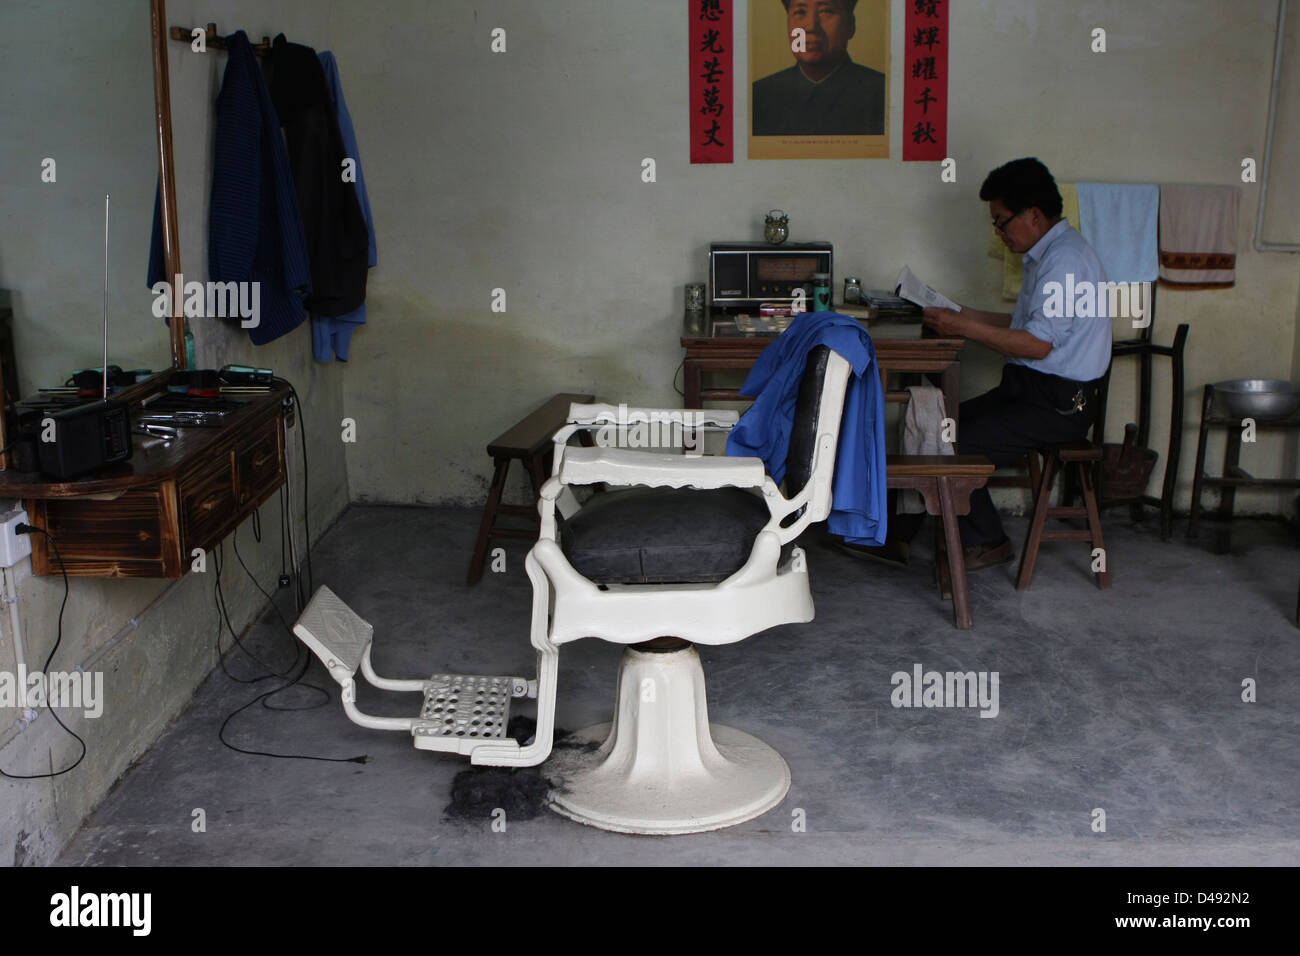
(852, 290)
(694, 296)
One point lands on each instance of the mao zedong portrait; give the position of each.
(825, 93)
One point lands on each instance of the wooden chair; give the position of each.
(1081, 459)
(1080, 465)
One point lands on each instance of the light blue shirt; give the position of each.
(1064, 302)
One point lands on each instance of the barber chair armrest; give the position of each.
(601, 413)
(624, 467)
(607, 421)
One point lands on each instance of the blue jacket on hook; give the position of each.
(858, 508)
(255, 231)
(332, 335)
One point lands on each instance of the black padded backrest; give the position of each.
(803, 436)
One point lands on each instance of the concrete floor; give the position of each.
(1129, 701)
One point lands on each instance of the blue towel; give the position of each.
(332, 335)
(858, 509)
(1120, 221)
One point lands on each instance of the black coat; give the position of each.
(337, 240)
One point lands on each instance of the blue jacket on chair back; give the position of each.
(858, 509)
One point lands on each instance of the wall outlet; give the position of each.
(13, 546)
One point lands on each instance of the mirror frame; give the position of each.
(167, 174)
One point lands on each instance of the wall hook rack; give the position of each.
(215, 40)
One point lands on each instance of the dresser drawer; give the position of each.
(259, 462)
(208, 502)
(128, 536)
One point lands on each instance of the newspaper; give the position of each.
(914, 290)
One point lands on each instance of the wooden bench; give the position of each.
(946, 483)
(529, 441)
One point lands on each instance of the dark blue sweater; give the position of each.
(255, 232)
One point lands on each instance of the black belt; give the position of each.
(1053, 390)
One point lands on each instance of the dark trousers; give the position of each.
(1021, 415)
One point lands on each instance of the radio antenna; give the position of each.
(104, 369)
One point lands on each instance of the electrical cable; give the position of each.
(221, 735)
(295, 569)
(306, 493)
(288, 630)
(262, 699)
(22, 528)
(17, 441)
(223, 622)
(292, 677)
(283, 576)
(223, 617)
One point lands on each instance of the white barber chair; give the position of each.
(693, 550)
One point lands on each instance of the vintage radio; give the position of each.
(743, 275)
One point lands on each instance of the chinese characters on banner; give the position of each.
(711, 81)
(925, 80)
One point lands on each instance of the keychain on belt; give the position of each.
(1078, 404)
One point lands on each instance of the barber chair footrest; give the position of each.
(462, 710)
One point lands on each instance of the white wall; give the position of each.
(521, 171)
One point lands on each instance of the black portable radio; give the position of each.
(85, 438)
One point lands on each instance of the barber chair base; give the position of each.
(662, 768)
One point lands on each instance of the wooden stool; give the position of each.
(946, 483)
(528, 441)
(1082, 457)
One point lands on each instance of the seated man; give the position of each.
(1056, 357)
(825, 93)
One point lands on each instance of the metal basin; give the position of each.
(1257, 398)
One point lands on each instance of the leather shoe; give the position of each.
(986, 556)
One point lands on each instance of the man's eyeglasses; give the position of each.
(1002, 226)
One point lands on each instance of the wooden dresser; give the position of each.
(146, 516)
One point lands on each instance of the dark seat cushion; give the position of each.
(663, 535)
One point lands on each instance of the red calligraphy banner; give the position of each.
(925, 80)
(711, 81)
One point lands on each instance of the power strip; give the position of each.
(13, 546)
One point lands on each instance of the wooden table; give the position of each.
(145, 517)
(899, 348)
(946, 483)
